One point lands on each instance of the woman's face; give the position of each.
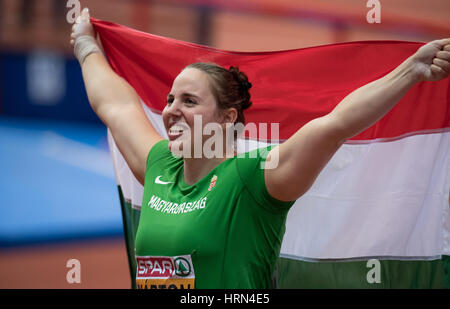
(190, 95)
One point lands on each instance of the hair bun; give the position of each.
(244, 86)
(241, 78)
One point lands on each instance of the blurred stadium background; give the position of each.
(53, 150)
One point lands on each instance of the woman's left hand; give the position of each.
(431, 62)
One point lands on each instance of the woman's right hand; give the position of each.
(82, 26)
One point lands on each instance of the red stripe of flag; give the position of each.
(290, 87)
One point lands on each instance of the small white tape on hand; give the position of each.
(84, 46)
(85, 43)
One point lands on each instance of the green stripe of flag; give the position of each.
(393, 274)
(130, 219)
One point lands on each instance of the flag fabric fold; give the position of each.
(378, 214)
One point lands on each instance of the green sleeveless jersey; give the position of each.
(225, 231)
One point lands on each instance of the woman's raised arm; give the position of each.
(114, 100)
(303, 156)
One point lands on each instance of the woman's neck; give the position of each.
(197, 168)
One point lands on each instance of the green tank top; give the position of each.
(225, 231)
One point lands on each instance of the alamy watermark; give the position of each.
(219, 140)
(374, 14)
(74, 12)
(374, 274)
(74, 274)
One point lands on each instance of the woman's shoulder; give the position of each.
(158, 150)
(250, 164)
(160, 153)
(254, 157)
(251, 168)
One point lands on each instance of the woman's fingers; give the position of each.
(438, 72)
(443, 64)
(82, 26)
(443, 42)
(85, 14)
(444, 55)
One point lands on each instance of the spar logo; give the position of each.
(165, 272)
(164, 267)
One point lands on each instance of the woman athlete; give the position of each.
(218, 222)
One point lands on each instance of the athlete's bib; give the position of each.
(165, 272)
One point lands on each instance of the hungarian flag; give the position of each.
(378, 215)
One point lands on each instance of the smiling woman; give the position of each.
(224, 217)
(202, 95)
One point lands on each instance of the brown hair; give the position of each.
(229, 87)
